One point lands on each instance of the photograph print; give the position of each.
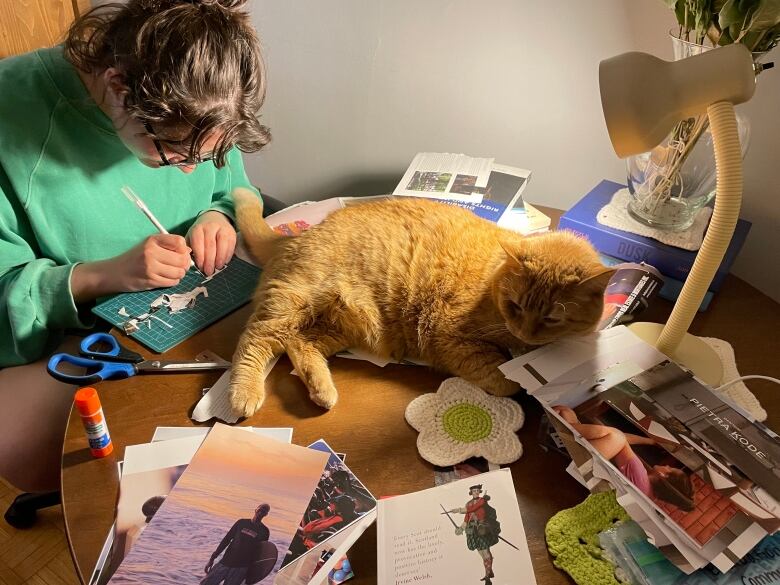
(338, 501)
(230, 517)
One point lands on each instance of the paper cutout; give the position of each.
(180, 301)
(123, 312)
(216, 402)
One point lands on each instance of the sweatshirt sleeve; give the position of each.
(229, 177)
(36, 303)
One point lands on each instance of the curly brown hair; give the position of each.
(192, 68)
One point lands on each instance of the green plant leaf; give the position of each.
(766, 15)
(733, 12)
(725, 38)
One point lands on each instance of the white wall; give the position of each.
(357, 87)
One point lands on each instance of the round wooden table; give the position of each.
(368, 425)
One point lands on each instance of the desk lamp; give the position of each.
(642, 98)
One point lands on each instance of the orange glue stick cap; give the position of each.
(87, 403)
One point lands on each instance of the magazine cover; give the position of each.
(628, 293)
(502, 193)
(660, 434)
(468, 532)
(231, 515)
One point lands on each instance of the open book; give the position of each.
(466, 531)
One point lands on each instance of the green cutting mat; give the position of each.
(228, 290)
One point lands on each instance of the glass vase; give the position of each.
(671, 183)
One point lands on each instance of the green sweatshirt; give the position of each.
(61, 169)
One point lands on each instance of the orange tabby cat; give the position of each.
(409, 278)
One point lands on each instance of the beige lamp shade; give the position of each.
(643, 96)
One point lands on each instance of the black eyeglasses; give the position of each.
(164, 162)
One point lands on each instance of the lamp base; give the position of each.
(692, 353)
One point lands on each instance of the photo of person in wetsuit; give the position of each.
(241, 542)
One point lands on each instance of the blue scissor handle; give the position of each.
(96, 370)
(114, 353)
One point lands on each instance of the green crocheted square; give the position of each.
(573, 539)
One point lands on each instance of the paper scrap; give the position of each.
(217, 271)
(123, 312)
(148, 456)
(130, 326)
(179, 301)
(361, 354)
(216, 402)
(156, 318)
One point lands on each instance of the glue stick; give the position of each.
(88, 405)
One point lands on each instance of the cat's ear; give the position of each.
(597, 281)
(514, 250)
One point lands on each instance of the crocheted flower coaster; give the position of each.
(573, 539)
(460, 421)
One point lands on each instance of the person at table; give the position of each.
(240, 545)
(158, 95)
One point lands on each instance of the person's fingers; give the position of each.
(198, 246)
(209, 248)
(173, 259)
(170, 242)
(160, 269)
(226, 243)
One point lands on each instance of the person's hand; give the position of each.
(213, 241)
(160, 260)
(458, 530)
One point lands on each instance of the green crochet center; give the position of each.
(467, 423)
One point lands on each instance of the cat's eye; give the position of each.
(549, 320)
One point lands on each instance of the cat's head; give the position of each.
(550, 286)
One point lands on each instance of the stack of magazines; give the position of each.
(697, 473)
(491, 191)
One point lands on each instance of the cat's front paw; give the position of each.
(245, 400)
(325, 397)
(500, 386)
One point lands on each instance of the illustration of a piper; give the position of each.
(481, 526)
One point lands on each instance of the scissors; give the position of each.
(117, 362)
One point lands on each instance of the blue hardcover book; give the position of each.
(671, 288)
(670, 261)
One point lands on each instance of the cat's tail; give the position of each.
(260, 239)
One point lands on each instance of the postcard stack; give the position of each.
(233, 505)
(698, 474)
(489, 190)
